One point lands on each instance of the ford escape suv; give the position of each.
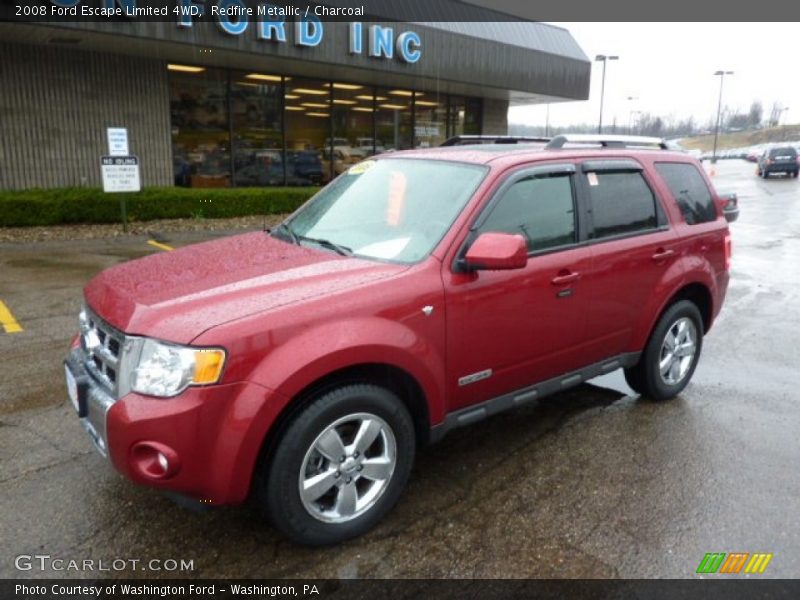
(418, 292)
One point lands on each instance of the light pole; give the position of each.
(547, 121)
(631, 121)
(785, 123)
(604, 59)
(631, 112)
(721, 75)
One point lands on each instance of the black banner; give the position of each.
(235, 11)
(414, 589)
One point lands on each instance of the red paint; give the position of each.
(290, 315)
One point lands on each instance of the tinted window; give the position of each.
(621, 203)
(690, 191)
(540, 209)
(786, 151)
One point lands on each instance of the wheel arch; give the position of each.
(389, 376)
(696, 292)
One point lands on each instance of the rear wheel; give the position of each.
(671, 354)
(340, 465)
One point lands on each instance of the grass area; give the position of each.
(91, 205)
(741, 139)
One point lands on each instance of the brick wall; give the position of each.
(55, 105)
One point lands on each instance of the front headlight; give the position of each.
(166, 370)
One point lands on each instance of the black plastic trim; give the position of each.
(478, 412)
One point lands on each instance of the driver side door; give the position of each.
(509, 329)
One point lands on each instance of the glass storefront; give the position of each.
(241, 128)
(430, 119)
(200, 128)
(256, 119)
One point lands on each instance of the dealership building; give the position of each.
(237, 101)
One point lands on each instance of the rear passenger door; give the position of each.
(632, 247)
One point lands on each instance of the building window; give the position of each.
(393, 118)
(200, 128)
(256, 105)
(255, 129)
(353, 126)
(308, 126)
(430, 119)
(464, 116)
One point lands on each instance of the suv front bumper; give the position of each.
(212, 435)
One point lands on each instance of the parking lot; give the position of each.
(595, 482)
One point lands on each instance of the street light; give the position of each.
(721, 75)
(603, 58)
(785, 121)
(631, 112)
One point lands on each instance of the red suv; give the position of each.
(418, 292)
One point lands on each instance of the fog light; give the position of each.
(154, 460)
(163, 462)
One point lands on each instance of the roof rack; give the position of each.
(607, 141)
(459, 140)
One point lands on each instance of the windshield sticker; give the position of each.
(592, 177)
(361, 167)
(398, 183)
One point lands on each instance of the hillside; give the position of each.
(741, 139)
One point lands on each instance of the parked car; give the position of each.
(778, 159)
(419, 292)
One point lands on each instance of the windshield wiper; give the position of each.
(285, 227)
(338, 248)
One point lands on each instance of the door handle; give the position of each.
(565, 277)
(662, 254)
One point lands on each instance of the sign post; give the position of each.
(121, 174)
(120, 170)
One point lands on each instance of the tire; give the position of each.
(304, 455)
(682, 318)
(634, 379)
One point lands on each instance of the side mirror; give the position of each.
(497, 251)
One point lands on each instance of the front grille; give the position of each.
(102, 347)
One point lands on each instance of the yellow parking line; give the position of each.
(7, 320)
(160, 246)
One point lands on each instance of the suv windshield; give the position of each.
(389, 209)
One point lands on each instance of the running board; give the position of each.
(473, 414)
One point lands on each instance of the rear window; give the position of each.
(690, 191)
(787, 151)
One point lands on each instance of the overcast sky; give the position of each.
(669, 67)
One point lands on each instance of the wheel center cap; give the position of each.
(349, 465)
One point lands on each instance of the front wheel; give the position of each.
(671, 354)
(339, 466)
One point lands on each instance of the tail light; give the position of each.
(728, 250)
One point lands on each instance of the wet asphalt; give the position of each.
(595, 482)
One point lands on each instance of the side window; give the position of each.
(621, 203)
(540, 208)
(690, 191)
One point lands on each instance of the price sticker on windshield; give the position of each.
(361, 167)
(592, 178)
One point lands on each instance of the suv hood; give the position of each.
(177, 295)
